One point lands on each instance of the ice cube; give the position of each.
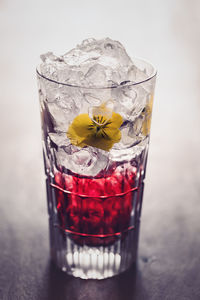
(129, 137)
(96, 96)
(63, 106)
(50, 57)
(89, 45)
(92, 99)
(62, 113)
(59, 139)
(128, 153)
(77, 57)
(93, 63)
(95, 75)
(52, 93)
(126, 140)
(136, 75)
(84, 161)
(135, 128)
(130, 100)
(51, 65)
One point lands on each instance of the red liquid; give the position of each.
(95, 210)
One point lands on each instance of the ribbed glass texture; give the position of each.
(94, 195)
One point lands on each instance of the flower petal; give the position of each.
(146, 126)
(113, 134)
(82, 124)
(100, 143)
(85, 132)
(74, 138)
(116, 120)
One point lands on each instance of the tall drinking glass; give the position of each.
(95, 170)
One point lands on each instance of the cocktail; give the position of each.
(96, 106)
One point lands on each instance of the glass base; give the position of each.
(96, 262)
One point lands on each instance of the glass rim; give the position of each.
(127, 84)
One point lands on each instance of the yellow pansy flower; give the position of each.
(100, 131)
(147, 117)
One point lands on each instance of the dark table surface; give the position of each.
(166, 32)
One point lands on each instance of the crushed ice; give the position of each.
(93, 63)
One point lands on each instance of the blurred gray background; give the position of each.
(167, 33)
